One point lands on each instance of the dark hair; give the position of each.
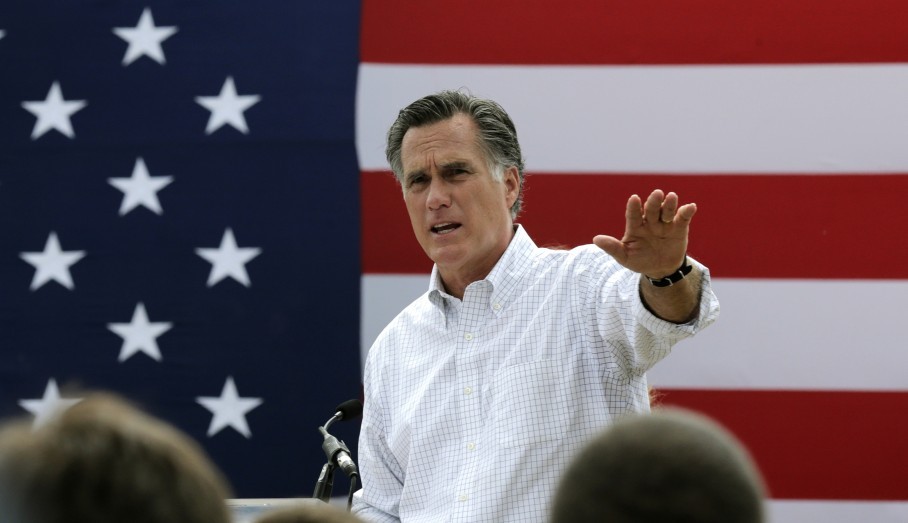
(497, 134)
(669, 466)
(104, 461)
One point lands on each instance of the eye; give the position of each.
(416, 180)
(457, 172)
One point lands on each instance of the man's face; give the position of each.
(459, 213)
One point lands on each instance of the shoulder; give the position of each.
(419, 312)
(582, 260)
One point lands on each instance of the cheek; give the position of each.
(493, 204)
(413, 206)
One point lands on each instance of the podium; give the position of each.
(247, 510)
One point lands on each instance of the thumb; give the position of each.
(610, 245)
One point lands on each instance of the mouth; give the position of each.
(444, 228)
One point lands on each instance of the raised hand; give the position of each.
(655, 235)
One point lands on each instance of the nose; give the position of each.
(439, 194)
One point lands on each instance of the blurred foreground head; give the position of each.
(315, 512)
(104, 461)
(672, 466)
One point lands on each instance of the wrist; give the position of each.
(673, 278)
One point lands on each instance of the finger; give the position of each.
(612, 246)
(634, 212)
(653, 206)
(686, 212)
(669, 207)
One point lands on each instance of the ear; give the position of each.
(511, 185)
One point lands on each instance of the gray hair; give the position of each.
(497, 134)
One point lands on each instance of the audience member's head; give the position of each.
(671, 466)
(309, 513)
(104, 461)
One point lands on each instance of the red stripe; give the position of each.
(747, 226)
(634, 32)
(813, 444)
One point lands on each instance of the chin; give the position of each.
(446, 255)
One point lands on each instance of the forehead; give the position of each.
(453, 139)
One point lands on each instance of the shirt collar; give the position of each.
(504, 277)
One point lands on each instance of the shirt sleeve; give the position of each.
(366, 512)
(379, 498)
(643, 338)
(709, 310)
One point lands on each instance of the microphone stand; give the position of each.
(325, 483)
(331, 446)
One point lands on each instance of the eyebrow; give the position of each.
(456, 164)
(448, 166)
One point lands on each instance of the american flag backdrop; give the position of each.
(179, 220)
(195, 209)
(787, 123)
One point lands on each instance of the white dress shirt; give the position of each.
(474, 408)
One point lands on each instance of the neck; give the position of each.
(456, 284)
(456, 279)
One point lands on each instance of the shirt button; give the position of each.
(462, 497)
(471, 446)
(468, 390)
(497, 306)
(468, 336)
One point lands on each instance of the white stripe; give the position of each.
(771, 334)
(797, 334)
(768, 119)
(837, 512)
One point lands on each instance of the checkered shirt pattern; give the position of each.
(474, 408)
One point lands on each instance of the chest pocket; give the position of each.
(531, 403)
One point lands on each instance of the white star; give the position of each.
(139, 335)
(229, 409)
(52, 264)
(54, 112)
(140, 189)
(2, 33)
(227, 108)
(48, 406)
(228, 260)
(144, 39)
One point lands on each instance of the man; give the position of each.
(480, 392)
(673, 465)
(103, 461)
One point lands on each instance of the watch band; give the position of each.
(674, 277)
